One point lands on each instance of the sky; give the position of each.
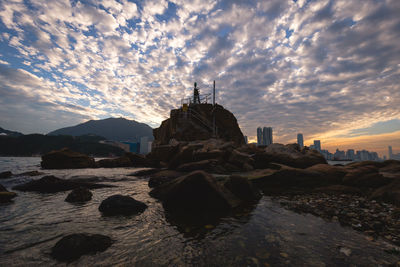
(327, 69)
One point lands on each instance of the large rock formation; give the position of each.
(196, 124)
(66, 159)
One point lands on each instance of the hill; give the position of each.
(117, 129)
(38, 144)
(9, 133)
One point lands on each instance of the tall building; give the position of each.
(317, 145)
(259, 136)
(350, 154)
(390, 152)
(267, 136)
(246, 141)
(300, 140)
(144, 148)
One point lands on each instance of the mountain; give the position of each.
(5, 132)
(39, 144)
(117, 129)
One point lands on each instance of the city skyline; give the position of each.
(327, 69)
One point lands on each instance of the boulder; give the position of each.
(289, 155)
(389, 193)
(80, 194)
(326, 170)
(123, 161)
(72, 247)
(6, 174)
(30, 173)
(242, 188)
(6, 196)
(139, 160)
(162, 177)
(365, 176)
(146, 172)
(195, 193)
(197, 125)
(240, 159)
(52, 184)
(121, 205)
(205, 155)
(66, 159)
(205, 165)
(163, 153)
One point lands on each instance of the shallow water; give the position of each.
(265, 234)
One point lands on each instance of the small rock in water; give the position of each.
(73, 246)
(4, 175)
(79, 194)
(121, 205)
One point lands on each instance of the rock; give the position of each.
(330, 172)
(72, 247)
(289, 155)
(389, 193)
(205, 165)
(365, 176)
(197, 125)
(163, 153)
(341, 189)
(52, 184)
(139, 160)
(6, 196)
(66, 159)
(242, 188)
(196, 192)
(146, 172)
(162, 177)
(30, 173)
(123, 161)
(80, 194)
(239, 159)
(121, 205)
(205, 155)
(2, 188)
(6, 174)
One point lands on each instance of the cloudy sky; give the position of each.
(328, 69)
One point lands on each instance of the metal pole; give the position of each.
(214, 133)
(214, 94)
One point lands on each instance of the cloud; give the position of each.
(323, 68)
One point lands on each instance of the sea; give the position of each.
(263, 235)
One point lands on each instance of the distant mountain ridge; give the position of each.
(117, 129)
(9, 133)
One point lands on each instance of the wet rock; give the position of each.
(72, 247)
(162, 177)
(66, 159)
(5, 175)
(5, 195)
(80, 194)
(30, 173)
(121, 205)
(242, 188)
(289, 155)
(52, 184)
(115, 162)
(389, 193)
(196, 192)
(146, 172)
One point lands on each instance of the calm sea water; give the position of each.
(264, 235)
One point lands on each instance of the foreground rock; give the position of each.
(5, 195)
(163, 176)
(290, 155)
(72, 247)
(52, 184)
(195, 193)
(242, 188)
(121, 205)
(66, 159)
(80, 194)
(5, 175)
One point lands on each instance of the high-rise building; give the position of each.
(350, 154)
(300, 140)
(259, 136)
(317, 145)
(144, 148)
(267, 136)
(246, 141)
(390, 152)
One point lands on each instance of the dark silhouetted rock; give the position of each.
(146, 172)
(115, 162)
(121, 205)
(197, 125)
(389, 193)
(72, 247)
(163, 153)
(204, 165)
(365, 176)
(289, 155)
(6, 174)
(239, 159)
(52, 184)
(66, 159)
(162, 177)
(5, 195)
(326, 170)
(139, 160)
(30, 173)
(194, 193)
(80, 194)
(242, 188)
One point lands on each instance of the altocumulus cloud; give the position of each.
(324, 68)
